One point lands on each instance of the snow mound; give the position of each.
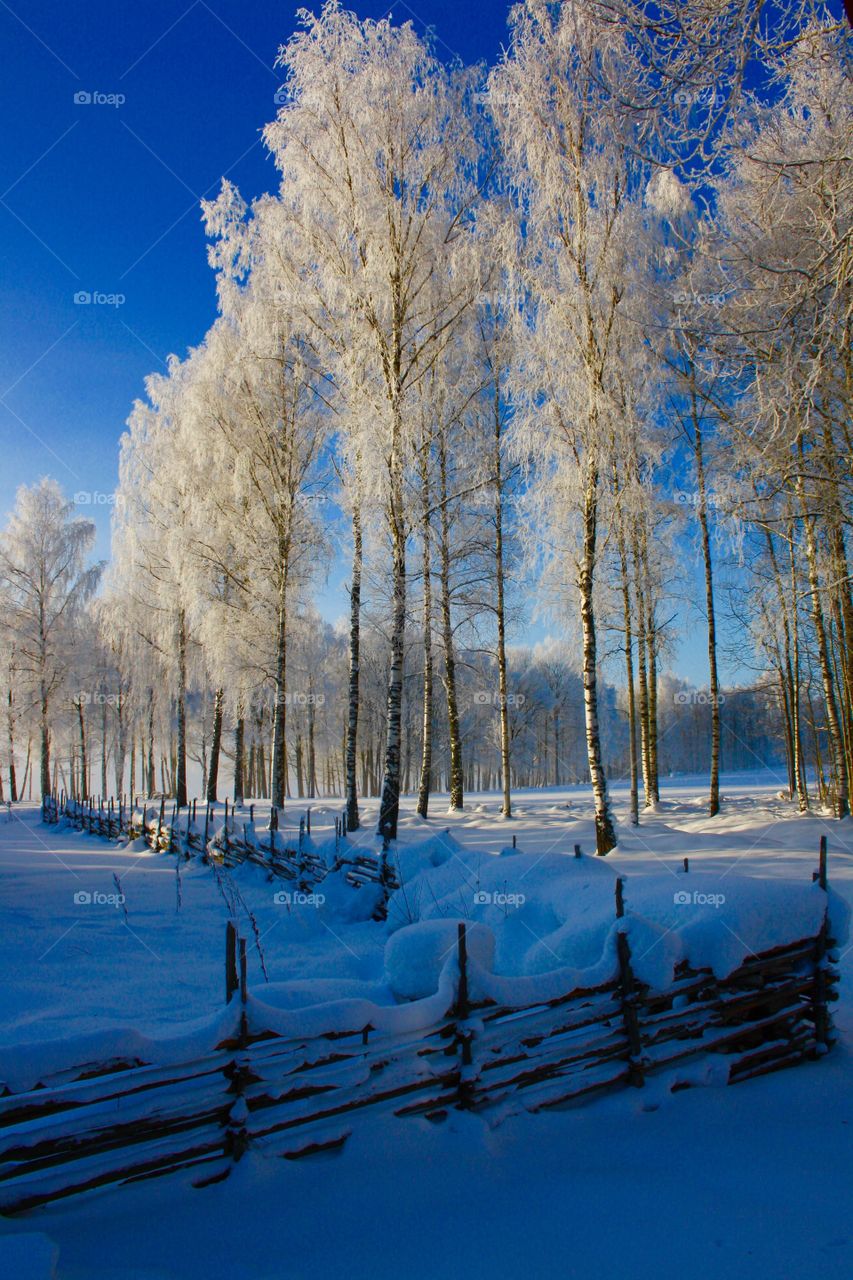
(416, 955)
(412, 859)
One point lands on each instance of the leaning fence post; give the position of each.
(628, 993)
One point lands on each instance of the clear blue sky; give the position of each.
(102, 197)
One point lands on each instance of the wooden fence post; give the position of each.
(244, 996)
(822, 1023)
(230, 961)
(462, 1005)
(462, 1010)
(628, 994)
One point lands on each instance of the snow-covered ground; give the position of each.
(753, 1181)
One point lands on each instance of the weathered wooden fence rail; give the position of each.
(294, 1095)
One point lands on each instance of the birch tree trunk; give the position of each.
(642, 675)
(389, 805)
(121, 745)
(714, 796)
(278, 765)
(181, 763)
(841, 795)
(605, 834)
(152, 774)
(312, 759)
(426, 737)
(104, 748)
(652, 683)
(457, 783)
(215, 746)
(10, 725)
(629, 677)
(353, 819)
(796, 717)
(503, 692)
(84, 767)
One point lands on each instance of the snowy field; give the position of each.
(750, 1182)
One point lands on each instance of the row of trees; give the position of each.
(549, 325)
(109, 731)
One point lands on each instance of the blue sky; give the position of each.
(101, 197)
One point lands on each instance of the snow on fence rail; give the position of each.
(295, 1082)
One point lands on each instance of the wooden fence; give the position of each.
(290, 1095)
(230, 837)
